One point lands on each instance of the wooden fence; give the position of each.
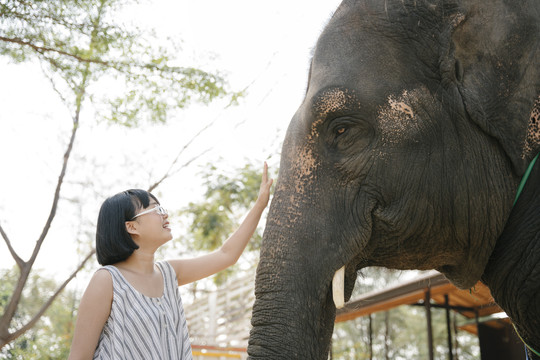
(219, 322)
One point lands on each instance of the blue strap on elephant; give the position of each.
(526, 346)
(523, 181)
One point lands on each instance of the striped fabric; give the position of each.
(142, 327)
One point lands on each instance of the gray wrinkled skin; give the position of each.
(419, 119)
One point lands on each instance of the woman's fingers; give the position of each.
(266, 183)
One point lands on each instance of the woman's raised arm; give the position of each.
(189, 270)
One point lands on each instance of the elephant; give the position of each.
(419, 121)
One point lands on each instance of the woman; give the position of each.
(131, 308)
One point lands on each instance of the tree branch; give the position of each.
(42, 50)
(59, 183)
(12, 336)
(11, 308)
(119, 66)
(169, 173)
(12, 251)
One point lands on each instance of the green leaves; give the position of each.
(130, 75)
(95, 59)
(399, 333)
(51, 336)
(227, 199)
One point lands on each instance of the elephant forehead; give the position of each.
(334, 100)
(397, 118)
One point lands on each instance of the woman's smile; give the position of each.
(166, 225)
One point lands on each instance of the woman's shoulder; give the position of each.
(102, 280)
(104, 273)
(168, 271)
(100, 286)
(165, 266)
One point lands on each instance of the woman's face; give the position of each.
(153, 228)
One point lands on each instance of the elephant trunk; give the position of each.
(293, 314)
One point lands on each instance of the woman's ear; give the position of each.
(131, 227)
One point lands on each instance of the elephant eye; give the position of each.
(347, 132)
(340, 130)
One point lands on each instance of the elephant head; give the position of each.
(406, 153)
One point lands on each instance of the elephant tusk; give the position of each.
(338, 288)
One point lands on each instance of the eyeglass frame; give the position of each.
(158, 208)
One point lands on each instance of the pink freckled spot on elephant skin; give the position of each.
(532, 139)
(457, 19)
(401, 107)
(306, 162)
(397, 119)
(333, 100)
(303, 167)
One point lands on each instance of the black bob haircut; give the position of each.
(113, 242)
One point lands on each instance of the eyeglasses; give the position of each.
(161, 211)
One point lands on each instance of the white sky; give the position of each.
(264, 43)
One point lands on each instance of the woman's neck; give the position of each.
(140, 261)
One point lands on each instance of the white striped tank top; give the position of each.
(142, 327)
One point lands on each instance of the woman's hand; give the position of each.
(264, 191)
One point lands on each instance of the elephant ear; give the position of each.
(497, 48)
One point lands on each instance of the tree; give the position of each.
(51, 336)
(81, 46)
(399, 333)
(227, 198)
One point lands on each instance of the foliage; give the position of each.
(406, 336)
(400, 333)
(90, 54)
(82, 42)
(227, 199)
(50, 338)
